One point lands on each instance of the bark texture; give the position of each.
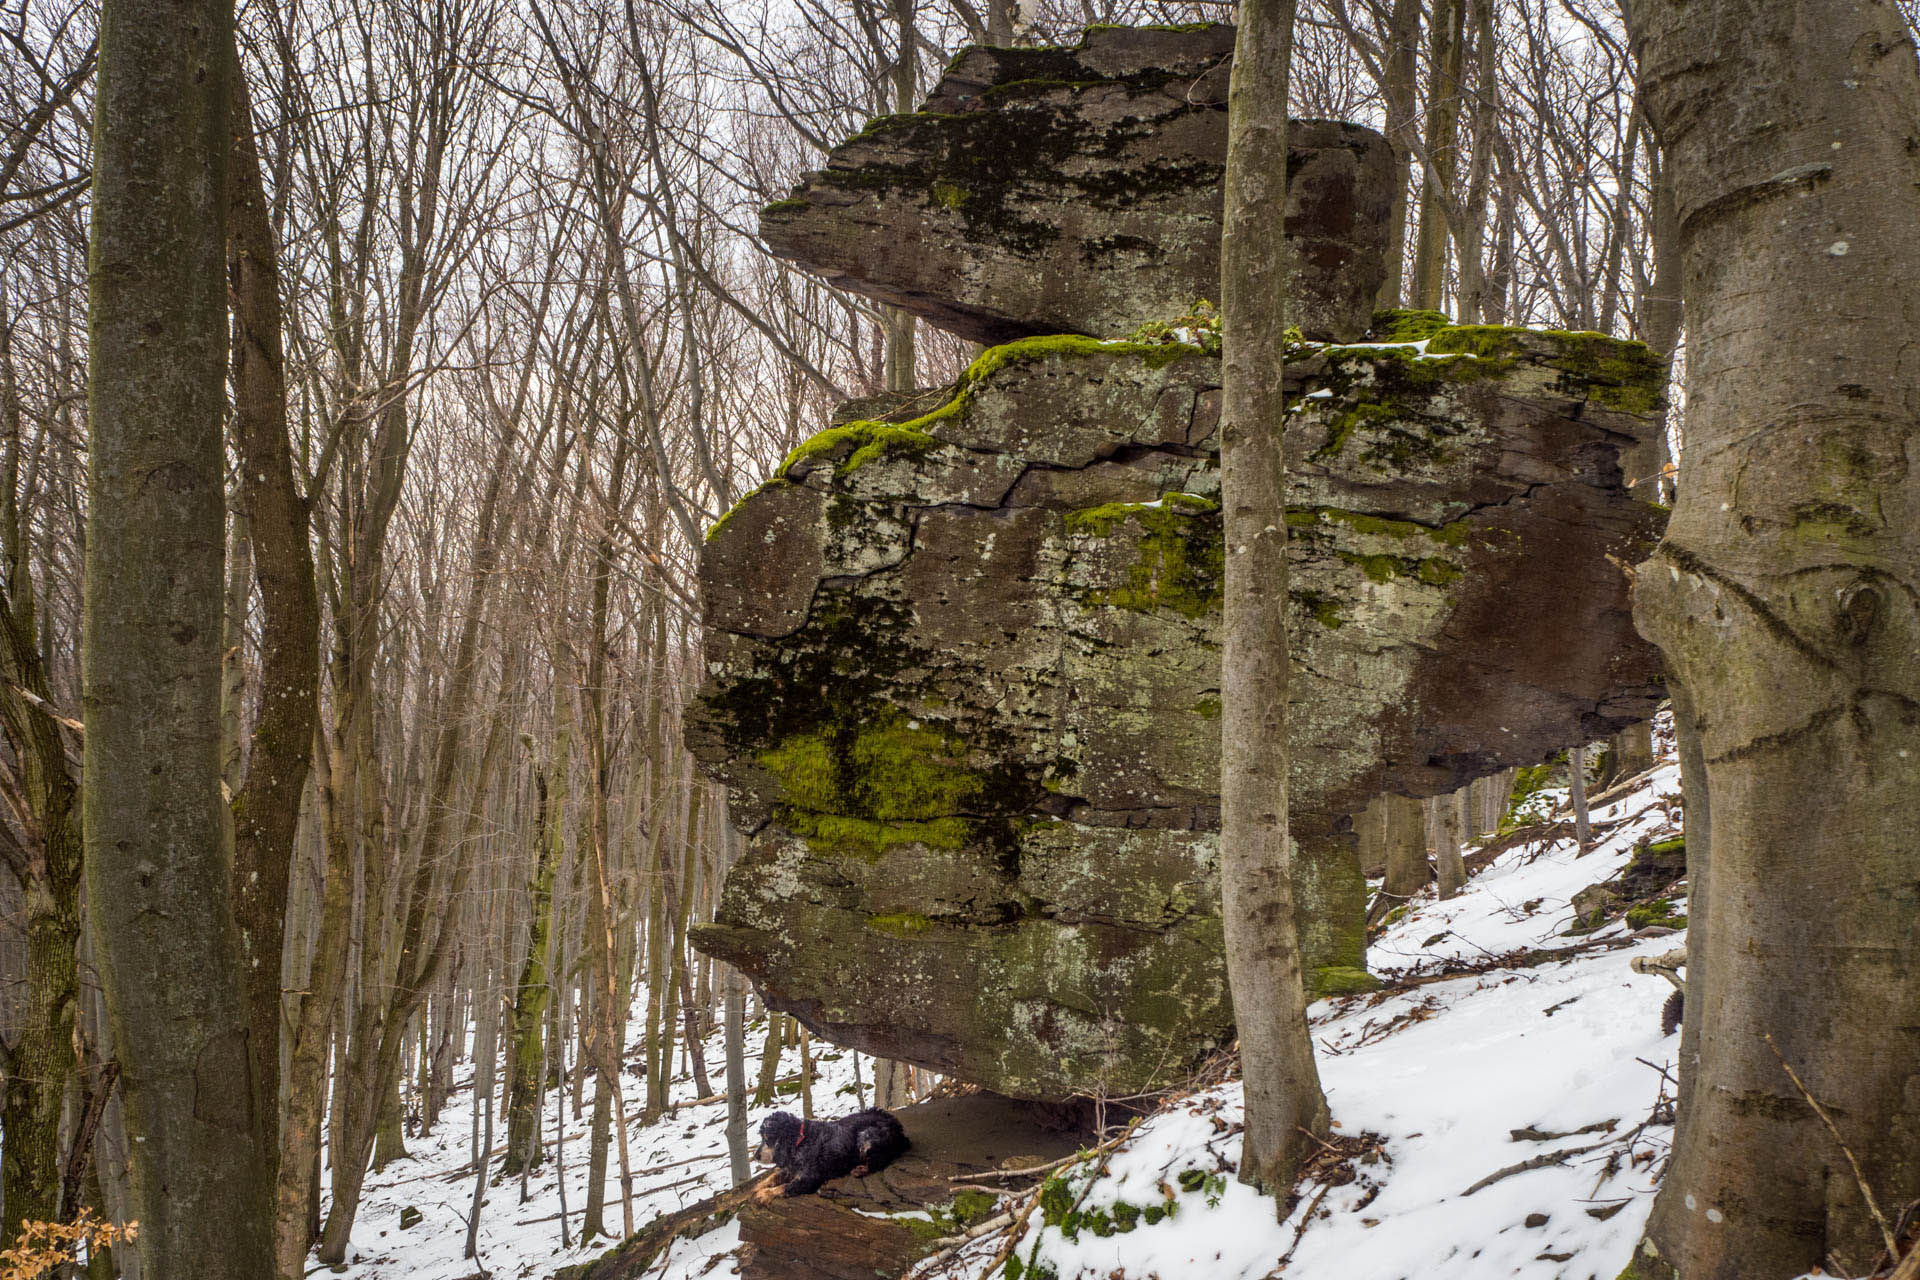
(157, 872)
(1784, 600)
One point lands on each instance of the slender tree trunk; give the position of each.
(532, 993)
(1286, 1110)
(157, 868)
(266, 807)
(1399, 87)
(1577, 796)
(1783, 600)
(1446, 38)
(736, 1038)
(770, 1064)
(1443, 826)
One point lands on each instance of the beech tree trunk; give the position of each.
(1444, 830)
(266, 808)
(1446, 38)
(1285, 1107)
(1398, 82)
(1406, 841)
(1783, 597)
(165, 940)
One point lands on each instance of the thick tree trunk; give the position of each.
(1783, 598)
(1285, 1107)
(158, 875)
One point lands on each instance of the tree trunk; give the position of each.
(1398, 87)
(736, 1038)
(266, 807)
(1370, 827)
(532, 993)
(1406, 840)
(1286, 1110)
(1445, 39)
(1443, 828)
(1782, 598)
(42, 1056)
(158, 872)
(1577, 796)
(770, 1063)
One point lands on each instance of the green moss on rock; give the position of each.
(1407, 326)
(863, 789)
(1340, 980)
(1660, 912)
(1181, 553)
(905, 924)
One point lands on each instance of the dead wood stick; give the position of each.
(1048, 1167)
(1537, 1162)
(948, 1244)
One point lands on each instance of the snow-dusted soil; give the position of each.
(1437, 1077)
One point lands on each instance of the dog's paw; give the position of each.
(858, 1171)
(766, 1194)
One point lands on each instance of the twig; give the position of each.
(1048, 1167)
(948, 1245)
(1300, 1231)
(1873, 1206)
(1537, 1162)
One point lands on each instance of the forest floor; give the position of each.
(1499, 1112)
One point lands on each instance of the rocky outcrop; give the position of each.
(1043, 191)
(963, 675)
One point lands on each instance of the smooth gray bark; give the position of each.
(1285, 1107)
(1784, 599)
(157, 863)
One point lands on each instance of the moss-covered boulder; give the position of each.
(963, 676)
(1078, 190)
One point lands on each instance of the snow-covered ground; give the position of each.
(677, 1161)
(1441, 1075)
(1437, 1077)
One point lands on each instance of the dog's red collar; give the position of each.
(803, 1134)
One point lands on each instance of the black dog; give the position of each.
(810, 1152)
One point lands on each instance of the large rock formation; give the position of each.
(1044, 191)
(963, 677)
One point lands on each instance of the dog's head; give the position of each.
(777, 1131)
